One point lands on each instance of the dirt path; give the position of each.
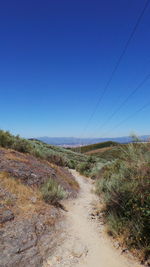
(83, 243)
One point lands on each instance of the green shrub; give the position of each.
(71, 164)
(57, 155)
(52, 192)
(125, 186)
(22, 145)
(57, 159)
(6, 139)
(84, 168)
(84, 149)
(115, 224)
(96, 169)
(37, 152)
(90, 167)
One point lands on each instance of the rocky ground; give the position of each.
(29, 228)
(34, 172)
(27, 241)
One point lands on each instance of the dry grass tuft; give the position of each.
(11, 156)
(25, 199)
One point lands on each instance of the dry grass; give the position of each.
(100, 150)
(11, 156)
(52, 165)
(72, 182)
(24, 195)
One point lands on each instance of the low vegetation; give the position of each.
(122, 175)
(91, 167)
(85, 149)
(52, 192)
(33, 180)
(125, 187)
(85, 167)
(35, 164)
(39, 149)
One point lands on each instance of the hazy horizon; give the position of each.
(78, 137)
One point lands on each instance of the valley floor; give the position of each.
(83, 242)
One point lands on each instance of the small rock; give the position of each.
(33, 200)
(116, 244)
(6, 215)
(125, 250)
(79, 250)
(33, 175)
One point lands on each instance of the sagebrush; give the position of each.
(125, 186)
(57, 155)
(52, 192)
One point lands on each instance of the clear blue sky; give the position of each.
(56, 57)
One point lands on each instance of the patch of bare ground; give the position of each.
(27, 224)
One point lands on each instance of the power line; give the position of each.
(147, 77)
(117, 63)
(129, 117)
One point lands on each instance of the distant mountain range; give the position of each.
(73, 141)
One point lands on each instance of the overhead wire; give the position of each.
(117, 64)
(123, 103)
(128, 118)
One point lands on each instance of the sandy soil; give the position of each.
(84, 242)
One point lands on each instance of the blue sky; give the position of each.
(55, 59)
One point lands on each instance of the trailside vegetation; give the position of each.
(52, 192)
(125, 187)
(57, 155)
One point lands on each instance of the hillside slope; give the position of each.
(121, 175)
(31, 187)
(91, 148)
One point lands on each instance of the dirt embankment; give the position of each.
(29, 227)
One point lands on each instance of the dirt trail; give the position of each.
(83, 243)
